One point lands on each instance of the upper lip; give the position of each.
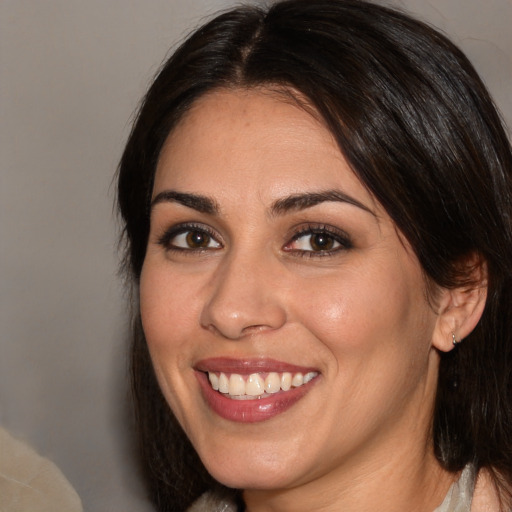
(249, 365)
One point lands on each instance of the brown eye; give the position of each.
(321, 242)
(184, 238)
(197, 239)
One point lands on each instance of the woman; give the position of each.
(317, 209)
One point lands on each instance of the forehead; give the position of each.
(253, 140)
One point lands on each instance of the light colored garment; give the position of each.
(209, 502)
(31, 483)
(460, 494)
(458, 498)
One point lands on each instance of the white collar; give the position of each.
(460, 494)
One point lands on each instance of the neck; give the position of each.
(398, 484)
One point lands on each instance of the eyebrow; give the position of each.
(297, 202)
(197, 202)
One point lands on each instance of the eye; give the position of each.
(189, 238)
(194, 239)
(315, 242)
(318, 241)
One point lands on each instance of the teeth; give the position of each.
(272, 383)
(286, 381)
(223, 383)
(256, 385)
(309, 376)
(297, 380)
(214, 381)
(236, 385)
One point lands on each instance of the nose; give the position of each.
(243, 299)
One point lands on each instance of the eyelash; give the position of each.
(334, 235)
(166, 239)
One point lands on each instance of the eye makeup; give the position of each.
(308, 240)
(318, 240)
(189, 237)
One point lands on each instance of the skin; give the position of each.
(359, 439)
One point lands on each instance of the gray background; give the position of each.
(71, 74)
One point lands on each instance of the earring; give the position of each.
(455, 341)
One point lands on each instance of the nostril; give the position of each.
(254, 329)
(234, 333)
(240, 305)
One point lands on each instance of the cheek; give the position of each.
(166, 307)
(354, 312)
(166, 320)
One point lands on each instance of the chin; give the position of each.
(251, 478)
(237, 470)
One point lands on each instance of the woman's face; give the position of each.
(272, 274)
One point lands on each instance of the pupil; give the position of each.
(321, 242)
(197, 239)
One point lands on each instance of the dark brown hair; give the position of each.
(420, 131)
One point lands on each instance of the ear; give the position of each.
(460, 309)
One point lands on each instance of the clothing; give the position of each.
(31, 483)
(458, 498)
(460, 494)
(209, 502)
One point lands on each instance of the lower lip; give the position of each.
(250, 411)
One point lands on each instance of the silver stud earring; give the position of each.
(455, 341)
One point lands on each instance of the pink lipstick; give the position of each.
(252, 390)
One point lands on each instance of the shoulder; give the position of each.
(485, 497)
(31, 482)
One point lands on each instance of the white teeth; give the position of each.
(286, 381)
(236, 385)
(255, 386)
(223, 383)
(309, 376)
(273, 382)
(214, 381)
(297, 380)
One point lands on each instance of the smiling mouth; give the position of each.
(256, 386)
(252, 390)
